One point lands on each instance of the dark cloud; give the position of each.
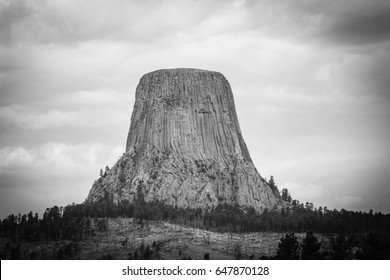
(12, 14)
(349, 22)
(342, 22)
(49, 22)
(360, 22)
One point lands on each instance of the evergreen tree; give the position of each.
(286, 195)
(288, 248)
(310, 247)
(273, 186)
(339, 247)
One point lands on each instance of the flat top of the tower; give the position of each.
(180, 71)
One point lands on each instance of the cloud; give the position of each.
(359, 22)
(12, 14)
(36, 122)
(17, 156)
(69, 22)
(351, 22)
(55, 173)
(57, 155)
(359, 177)
(337, 23)
(86, 109)
(352, 185)
(349, 201)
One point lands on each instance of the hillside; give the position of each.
(125, 236)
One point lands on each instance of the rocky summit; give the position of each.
(185, 147)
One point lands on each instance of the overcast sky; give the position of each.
(311, 81)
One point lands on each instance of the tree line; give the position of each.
(74, 221)
(57, 223)
(348, 231)
(369, 246)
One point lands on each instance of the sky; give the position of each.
(311, 82)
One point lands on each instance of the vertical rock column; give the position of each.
(188, 112)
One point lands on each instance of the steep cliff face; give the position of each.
(185, 146)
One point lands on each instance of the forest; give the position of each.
(347, 229)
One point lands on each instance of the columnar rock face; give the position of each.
(185, 146)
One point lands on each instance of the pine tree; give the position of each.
(286, 195)
(310, 247)
(288, 248)
(273, 186)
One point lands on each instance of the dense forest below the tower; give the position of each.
(78, 222)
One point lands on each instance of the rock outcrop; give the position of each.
(185, 146)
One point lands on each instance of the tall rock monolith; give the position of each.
(185, 147)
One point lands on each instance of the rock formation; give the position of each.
(185, 146)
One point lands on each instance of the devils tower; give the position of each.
(185, 147)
